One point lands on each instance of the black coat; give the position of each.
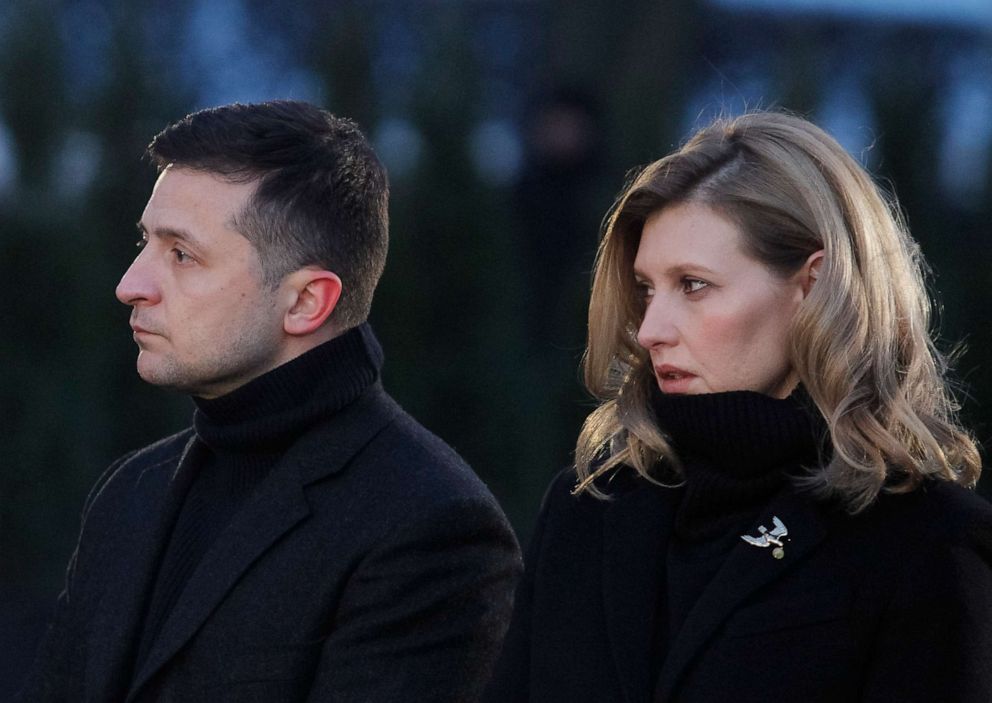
(370, 565)
(894, 604)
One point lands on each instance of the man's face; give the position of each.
(203, 321)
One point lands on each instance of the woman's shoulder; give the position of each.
(561, 494)
(616, 485)
(935, 545)
(953, 502)
(623, 496)
(948, 494)
(936, 512)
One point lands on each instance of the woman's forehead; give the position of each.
(688, 236)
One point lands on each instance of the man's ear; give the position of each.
(315, 295)
(811, 271)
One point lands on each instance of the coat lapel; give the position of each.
(746, 570)
(636, 530)
(156, 497)
(276, 508)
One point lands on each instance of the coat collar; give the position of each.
(277, 507)
(326, 450)
(637, 530)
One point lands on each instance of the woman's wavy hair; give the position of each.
(860, 341)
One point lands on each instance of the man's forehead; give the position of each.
(184, 197)
(179, 176)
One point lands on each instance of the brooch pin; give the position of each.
(770, 537)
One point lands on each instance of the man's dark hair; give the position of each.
(321, 197)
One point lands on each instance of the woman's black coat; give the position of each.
(893, 604)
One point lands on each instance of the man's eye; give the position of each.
(181, 256)
(141, 243)
(693, 285)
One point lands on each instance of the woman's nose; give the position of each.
(657, 328)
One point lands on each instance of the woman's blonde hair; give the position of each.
(860, 342)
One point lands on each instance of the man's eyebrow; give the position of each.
(173, 232)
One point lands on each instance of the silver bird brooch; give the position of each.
(771, 537)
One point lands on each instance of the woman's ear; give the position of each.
(316, 294)
(811, 271)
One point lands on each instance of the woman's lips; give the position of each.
(672, 379)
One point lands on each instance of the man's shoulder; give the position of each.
(408, 451)
(407, 437)
(402, 480)
(167, 450)
(400, 459)
(138, 463)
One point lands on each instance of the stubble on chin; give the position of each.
(161, 372)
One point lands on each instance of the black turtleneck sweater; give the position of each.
(737, 449)
(243, 435)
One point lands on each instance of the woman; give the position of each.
(770, 502)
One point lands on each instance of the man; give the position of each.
(305, 539)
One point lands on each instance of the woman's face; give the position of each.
(715, 318)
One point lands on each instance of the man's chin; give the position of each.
(156, 374)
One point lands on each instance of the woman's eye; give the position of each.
(644, 291)
(693, 285)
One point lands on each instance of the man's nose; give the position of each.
(657, 328)
(137, 285)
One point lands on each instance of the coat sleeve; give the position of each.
(425, 613)
(511, 679)
(55, 675)
(935, 641)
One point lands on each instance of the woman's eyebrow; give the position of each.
(676, 270)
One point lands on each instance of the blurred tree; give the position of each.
(909, 144)
(482, 306)
(71, 390)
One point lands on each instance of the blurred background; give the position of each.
(508, 127)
